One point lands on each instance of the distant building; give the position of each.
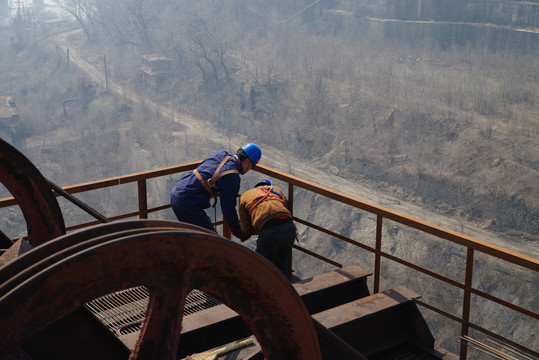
(156, 69)
(9, 117)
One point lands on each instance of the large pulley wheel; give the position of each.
(44, 220)
(170, 262)
(30, 263)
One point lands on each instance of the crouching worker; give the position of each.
(218, 175)
(263, 210)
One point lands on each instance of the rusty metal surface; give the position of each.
(16, 249)
(38, 204)
(170, 263)
(31, 262)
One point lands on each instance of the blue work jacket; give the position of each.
(190, 193)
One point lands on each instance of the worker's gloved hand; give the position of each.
(241, 235)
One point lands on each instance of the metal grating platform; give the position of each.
(122, 312)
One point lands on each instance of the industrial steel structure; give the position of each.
(127, 286)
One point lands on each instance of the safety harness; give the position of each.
(209, 184)
(266, 190)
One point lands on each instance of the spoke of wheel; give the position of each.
(163, 321)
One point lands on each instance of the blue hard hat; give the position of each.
(263, 182)
(253, 152)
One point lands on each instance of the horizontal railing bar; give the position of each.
(384, 254)
(114, 181)
(423, 226)
(159, 208)
(438, 310)
(120, 180)
(119, 217)
(320, 257)
(464, 240)
(475, 327)
(6, 202)
(461, 239)
(331, 233)
(422, 270)
(505, 303)
(112, 218)
(419, 269)
(82, 226)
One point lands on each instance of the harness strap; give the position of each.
(211, 181)
(203, 182)
(266, 191)
(209, 184)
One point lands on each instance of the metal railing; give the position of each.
(472, 245)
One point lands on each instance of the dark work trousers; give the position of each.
(195, 217)
(275, 241)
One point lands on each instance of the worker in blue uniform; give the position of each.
(218, 175)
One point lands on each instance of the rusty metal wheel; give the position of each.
(34, 261)
(170, 263)
(44, 220)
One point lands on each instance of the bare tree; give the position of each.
(141, 18)
(208, 52)
(110, 16)
(82, 11)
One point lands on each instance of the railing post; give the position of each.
(291, 209)
(291, 198)
(227, 233)
(466, 303)
(142, 199)
(377, 255)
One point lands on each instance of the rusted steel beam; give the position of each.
(77, 202)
